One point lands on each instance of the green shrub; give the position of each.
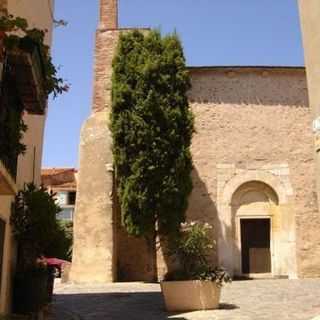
(36, 228)
(191, 248)
(62, 246)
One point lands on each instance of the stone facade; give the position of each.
(250, 121)
(253, 125)
(253, 159)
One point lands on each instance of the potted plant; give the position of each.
(194, 284)
(38, 235)
(13, 317)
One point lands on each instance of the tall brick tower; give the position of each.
(94, 246)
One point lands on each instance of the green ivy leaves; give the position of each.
(16, 34)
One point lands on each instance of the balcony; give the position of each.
(7, 183)
(27, 66)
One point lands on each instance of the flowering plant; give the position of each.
(191, 250)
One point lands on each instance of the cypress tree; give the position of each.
(152, 127)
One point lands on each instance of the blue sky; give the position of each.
(214, 32)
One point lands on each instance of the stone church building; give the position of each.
(254, 174)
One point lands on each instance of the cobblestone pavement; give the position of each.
(242, 300)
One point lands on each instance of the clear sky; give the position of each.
(214, 32)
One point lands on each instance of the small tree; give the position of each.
(152, 127)
(62, 246)
(35, 226)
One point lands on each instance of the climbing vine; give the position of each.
(12, 126)
(17, 35)
(152, 127)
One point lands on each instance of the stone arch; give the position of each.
(268, 198)
(259, 176)
(250, 190)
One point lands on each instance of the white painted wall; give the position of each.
(39, 13)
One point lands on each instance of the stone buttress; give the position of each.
(94, 246)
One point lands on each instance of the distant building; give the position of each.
(63, 183)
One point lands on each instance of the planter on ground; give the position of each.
(193, 284)
(30, 291)
(190, 295)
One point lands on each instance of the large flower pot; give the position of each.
(190, 295)
(30, 293)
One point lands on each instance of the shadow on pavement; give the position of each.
(115, 306)
(118, 306)
(228, 306)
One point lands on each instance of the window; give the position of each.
(72, 198)
(66, 198)
(62, 198)
(66, 214)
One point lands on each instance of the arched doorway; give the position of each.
(255, 208)
(262, 204)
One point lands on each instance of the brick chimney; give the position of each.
(108, 14)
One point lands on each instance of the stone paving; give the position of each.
(242, 300)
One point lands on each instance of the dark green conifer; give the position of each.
(152, 127)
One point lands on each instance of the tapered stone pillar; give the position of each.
(94, 252)
(310, 25)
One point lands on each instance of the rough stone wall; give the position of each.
(251, 118)
(135, 257)
(94, 252)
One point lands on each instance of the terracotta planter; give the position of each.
(190, 295)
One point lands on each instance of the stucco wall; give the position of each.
(251, 118)
(39, 14)
(310, 23)
(29, 165)
(8, 255)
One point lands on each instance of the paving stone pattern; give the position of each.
(242, 300)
